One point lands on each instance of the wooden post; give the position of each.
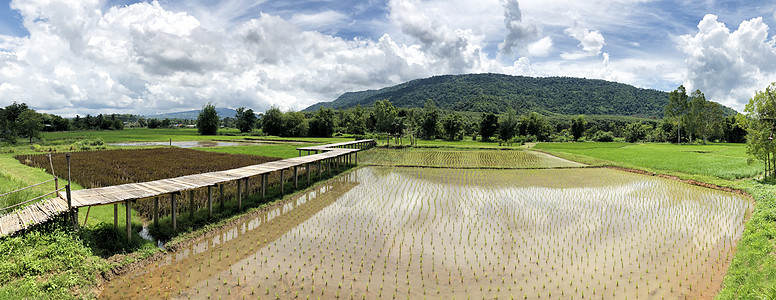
(300, 153)
(282, 182)
(328, 167)
(239, 194)
(210, 201)
(307, 170)
(356, 157)
(73, 213)
(247, 188)
(221, 191)
(191, 204)
(296, 177)
(263, 185)
(319, 170)
(116, 217)
(174, 213)
(128, 205)
(156, 212)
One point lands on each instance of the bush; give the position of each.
(603, 136)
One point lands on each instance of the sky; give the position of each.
(73, 57)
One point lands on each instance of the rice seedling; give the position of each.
(572, 233)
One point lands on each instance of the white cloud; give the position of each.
(591, 41)
(519, 32)
(322, 20)
(728, 66)
(143, 58)
(541, 47)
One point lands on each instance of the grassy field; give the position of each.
(725, 161)
(752, 272)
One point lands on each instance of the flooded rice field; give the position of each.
(385, 233)
(460, 158)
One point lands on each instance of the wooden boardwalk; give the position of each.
(42, 211)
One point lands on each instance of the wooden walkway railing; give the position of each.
(339, 153)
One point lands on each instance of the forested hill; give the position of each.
(496, 92)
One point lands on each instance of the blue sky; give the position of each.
(91, 56)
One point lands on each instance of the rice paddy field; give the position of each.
(393, 232)
(464, 158)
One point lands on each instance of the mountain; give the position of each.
(193, 114)
(497, 92)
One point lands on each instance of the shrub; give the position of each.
(603, 136)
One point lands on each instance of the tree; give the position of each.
(355, 121)
(245, 119)
(760, 126)
(322, 123)
(385, 115)
(704, 118)
(635, 132)
(207, 121)
(578, 127)
(452, 125)
(154, 123)
(295, 124)
(533, 124)
(677, 109)
(272, 122)
(488, 126)
(508, 127)
(30, 124)
(429, 126)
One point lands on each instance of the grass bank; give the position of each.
(752, 271)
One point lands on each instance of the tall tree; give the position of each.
(30, 124)
(385, 115)
(677, 108)
(245, 119)
(322, 123)
(207, 121)
(295, 124)
(578, 126)
(508, 127)
(355, 120)
(429, 127)
(533, 124)
(452, 125)
(760, 126)
(488, 126)
(272, 121)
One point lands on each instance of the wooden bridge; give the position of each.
(323, 158)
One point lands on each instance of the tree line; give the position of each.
(689, 118)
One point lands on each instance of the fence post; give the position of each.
(129, 220)
(156, 212)
(73, 215)
(210, 201)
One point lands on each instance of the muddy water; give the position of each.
(412, 233)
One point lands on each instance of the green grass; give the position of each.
(48, 262)
(725, 161)
(271, 150)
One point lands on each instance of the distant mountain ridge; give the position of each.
(193, 114)
(497, 92)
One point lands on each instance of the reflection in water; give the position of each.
(390, 232)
